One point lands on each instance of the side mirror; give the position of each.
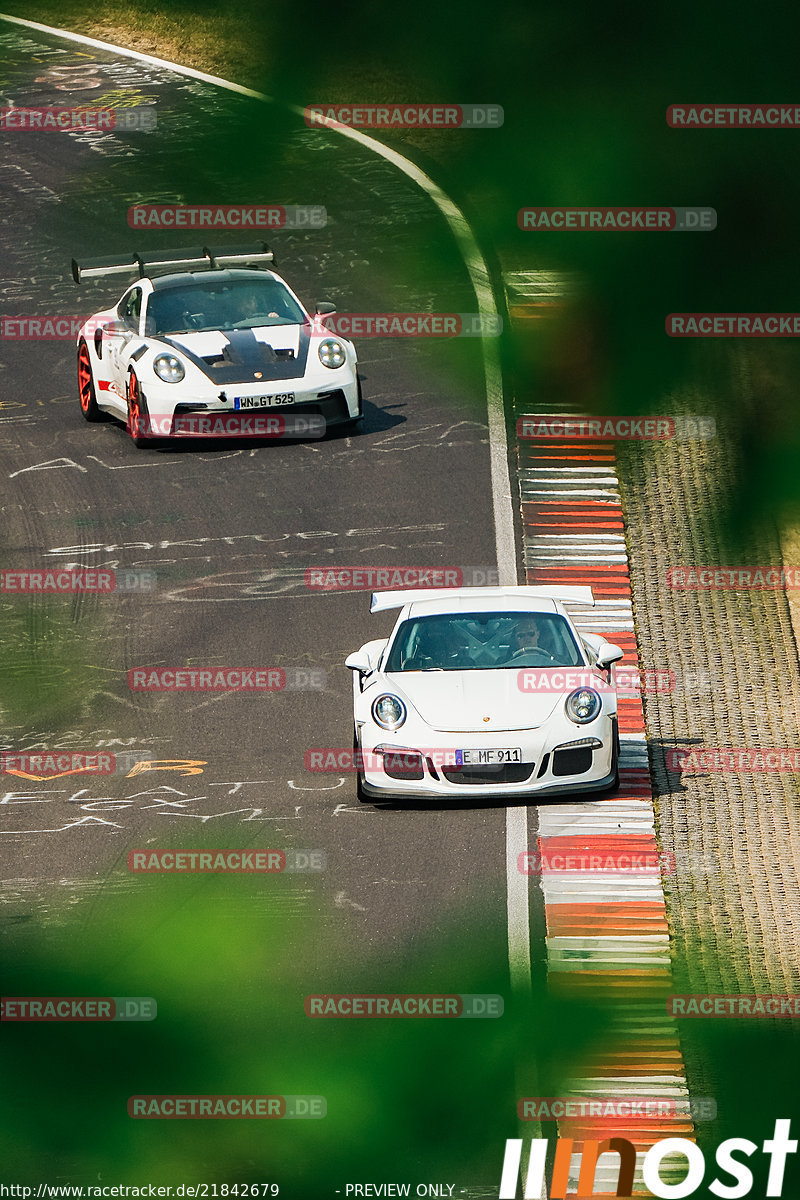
(594, 641)
(608, 655)
(324, 309)
(117, 327)
(359, 660)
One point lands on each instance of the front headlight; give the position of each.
(388, 712)
(331, 353)
(169, 368)
(583, 705)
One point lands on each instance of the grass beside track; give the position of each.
(227, 42)
(790, 549)
(255, 47)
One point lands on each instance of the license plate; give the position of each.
(242, 402)
(488, 758)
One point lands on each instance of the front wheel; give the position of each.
(615, 755)
(355, 424)
(360, 793)
(86, 390)
(138, 419)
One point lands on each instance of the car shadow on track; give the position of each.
(664, 769)
(476, 803)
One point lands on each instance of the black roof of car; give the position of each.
(187, 278)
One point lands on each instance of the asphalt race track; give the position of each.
(229, 529)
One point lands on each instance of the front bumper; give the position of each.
(314, 411)
(397, 768)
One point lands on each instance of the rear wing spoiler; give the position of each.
(203, 258)
(567, 595)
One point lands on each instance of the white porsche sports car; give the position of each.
(484, 690)
(213, 344)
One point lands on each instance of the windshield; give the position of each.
(240, 304)
(483, 641)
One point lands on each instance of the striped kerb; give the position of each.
(607, 932)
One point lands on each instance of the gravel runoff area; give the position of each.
(734, 902)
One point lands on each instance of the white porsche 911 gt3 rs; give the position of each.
(213, 344)
(487, 690)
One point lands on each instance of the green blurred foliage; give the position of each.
(411, 1099)
(426, 1099)
(47, 648)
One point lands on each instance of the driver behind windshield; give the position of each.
(481, 641)
(197, 309)
(529, 636)
(250, 303)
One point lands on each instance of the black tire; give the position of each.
(355, 423)
(138, 418)
(615, 755)
(360, 793)
(86, 391)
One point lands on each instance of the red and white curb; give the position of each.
(607, 933)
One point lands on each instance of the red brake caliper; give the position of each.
(84, 378)
(133, 392)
